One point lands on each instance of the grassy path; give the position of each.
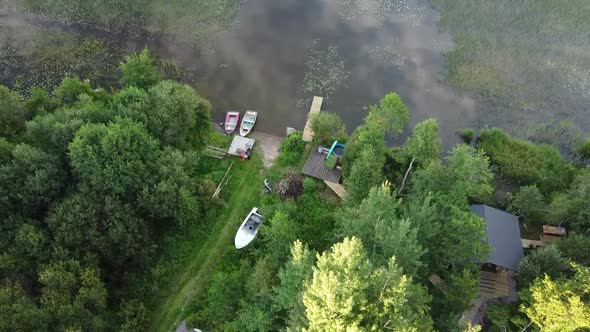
(189, 282)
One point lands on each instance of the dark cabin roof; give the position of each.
(503, 236)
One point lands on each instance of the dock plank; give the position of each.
(337, 188)
(316, 107)
(315, 166)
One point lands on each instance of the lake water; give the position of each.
(352, 52)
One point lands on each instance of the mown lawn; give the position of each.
(242, 192)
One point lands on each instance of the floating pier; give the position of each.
(316, 107)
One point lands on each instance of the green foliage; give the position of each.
(549, 300)
(467, 176)
(546, 260)
(40, 101)
(133, 316)
(138, 70)
(571, 207)
(74, 296)
(576, 247)
(424, 144)
(346, 292)
(466, 135)
(177, 116)
(366, 173)
(291, 150)
(390, 116)
(293, 276)
(327, 127)
(13, 113)
(499, 316)
(70, 90)
(525, 162)
(18, 311)
(378, 223)
(584, 149)
(119, 158)
(528, 203)
(30, 181)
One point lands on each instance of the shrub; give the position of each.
(544, 260)
(327, 127)
(139, 71)
(525, 162)
(466, 135)
(71, 88)
(291, 150)
(528, 203)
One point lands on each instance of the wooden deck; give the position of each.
(493, 285)
(337, 188)
(316, 107)
(437, 282)
(315, 166)
(529, 244)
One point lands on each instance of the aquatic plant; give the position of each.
(325, 70)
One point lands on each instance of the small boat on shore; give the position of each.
(248, 229)
(248, 122)
(231, 121)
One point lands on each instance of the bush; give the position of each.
(466, 135)
(139, 71)
(544, 260)
(291, 150)
(525, 162)
(327, 127)
(528, 203)
(70, 90)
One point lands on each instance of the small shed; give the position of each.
(502, 235)
(240, 145)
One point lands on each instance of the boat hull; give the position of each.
(248, 122)
(231, 121)
(244, 236)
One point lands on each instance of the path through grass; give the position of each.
(245, 190)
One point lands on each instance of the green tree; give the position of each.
(177, 115)
(584, 149)
(576, 247)
(18, 311)
(13, 114)
(559, 304)
(30, 181)
(366, 172)
(131, 101)
(347, 293)
(390, 116)
(327, 127)
(378, 223)
(139, 71)
(133, 316)
(424, 144)
(571, 207)
(84, 224)
(70, 90)
(293, 277)
(119, 158)
(546, 260)
(528, 203)
(40, 102)
(73, 296)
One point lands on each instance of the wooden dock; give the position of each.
(337, 188)
(315, 166)
(316, 107)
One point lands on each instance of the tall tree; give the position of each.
(366, 172)
(13, 114)
(73, 296)
(18, 311)
(119, 158)
(424, 145)
(542, 261)
(138, 70)
(293, 277)
(70, 90)
(390, 116)
(378, 223)
(571, 207)
(529, 203)
(347, 292)
(559, 304)
(177, 115)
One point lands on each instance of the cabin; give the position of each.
(496, 275)
(503, 237)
